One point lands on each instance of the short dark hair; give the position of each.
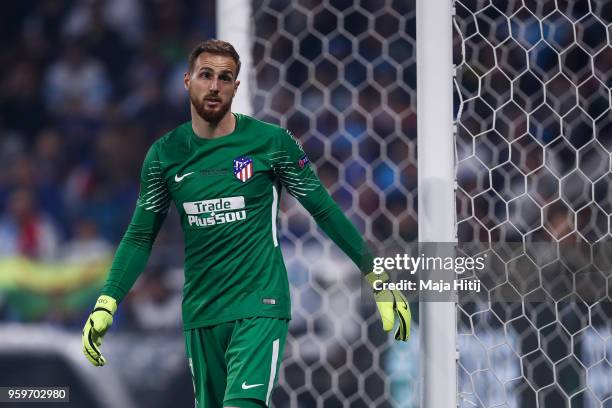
(216, 47)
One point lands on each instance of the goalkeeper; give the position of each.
(224, 173)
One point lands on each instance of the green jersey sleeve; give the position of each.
(149, 214)
(292, 167)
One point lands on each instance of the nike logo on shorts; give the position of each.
(249, 386)
(178, 178)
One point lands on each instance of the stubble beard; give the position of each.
(210, 116)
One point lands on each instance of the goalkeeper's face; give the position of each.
(212, 85)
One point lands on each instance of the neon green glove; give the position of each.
(96, 326)
(391, 303)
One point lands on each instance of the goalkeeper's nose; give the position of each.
(214, 85)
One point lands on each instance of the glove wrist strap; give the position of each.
(107, 304)
(102, 309)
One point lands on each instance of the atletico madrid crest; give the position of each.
(243, 168)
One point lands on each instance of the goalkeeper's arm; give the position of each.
(131, 256)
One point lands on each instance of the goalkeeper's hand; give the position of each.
(96, 326)
(391, 303)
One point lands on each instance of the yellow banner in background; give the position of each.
(50, 277)
(52, 291)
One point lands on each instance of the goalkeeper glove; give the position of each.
(96, 326)
(391, 303)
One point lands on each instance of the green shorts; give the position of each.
(235, 360)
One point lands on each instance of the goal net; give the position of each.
(342, 77)
(533, 144)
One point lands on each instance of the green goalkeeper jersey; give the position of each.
(226, 191)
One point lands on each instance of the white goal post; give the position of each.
(436, 192)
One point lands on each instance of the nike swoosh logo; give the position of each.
(178, 178)
(246, 387)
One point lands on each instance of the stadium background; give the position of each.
(86, 86)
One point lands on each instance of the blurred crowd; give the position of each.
(85, 87)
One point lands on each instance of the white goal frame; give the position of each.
(436, 192)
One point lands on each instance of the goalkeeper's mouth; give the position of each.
(212, 102)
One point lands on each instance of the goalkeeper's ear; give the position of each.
(186, 78)
(236, 84)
